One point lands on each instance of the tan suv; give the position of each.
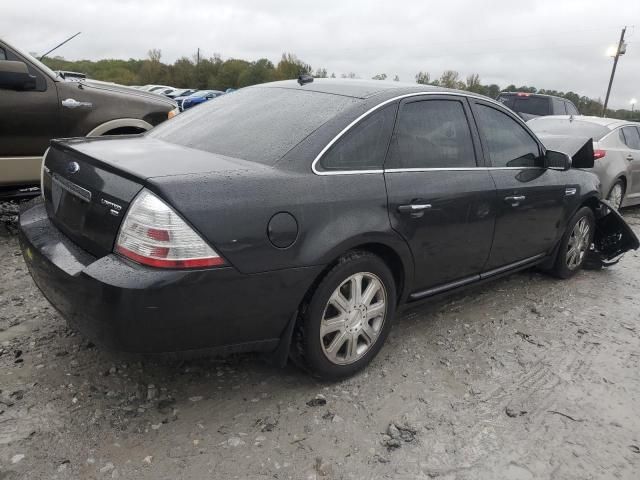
(38, 104)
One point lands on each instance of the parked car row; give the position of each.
(185, 97)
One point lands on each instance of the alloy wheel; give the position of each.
(578, 243)
(615, 196)
(353, 318)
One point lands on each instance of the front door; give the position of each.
(28, 120)
(439, 198)
(531, 198)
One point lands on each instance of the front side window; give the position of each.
(3, 56)
(508, 143)
(432, 134)
(631, 137)
(365, 145)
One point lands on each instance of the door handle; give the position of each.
(515, 200)
(629, 157)
(414, 207)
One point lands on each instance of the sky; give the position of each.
(551, 44)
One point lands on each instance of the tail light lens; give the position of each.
(598, 154)
(153, 234)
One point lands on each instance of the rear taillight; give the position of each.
(598, 154)
(153, 234)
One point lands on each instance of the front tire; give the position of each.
(347, 319)
(575, 243)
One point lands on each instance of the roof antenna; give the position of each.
(304, 79)
(59, 45)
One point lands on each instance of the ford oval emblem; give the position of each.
(73, 167)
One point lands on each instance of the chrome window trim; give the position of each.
(387, 102)
(458, 169)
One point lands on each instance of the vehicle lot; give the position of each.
(526, 377)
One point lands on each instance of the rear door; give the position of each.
(441, 199)
(530, 197)
(631, 136)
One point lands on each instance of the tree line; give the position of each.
(218, 74)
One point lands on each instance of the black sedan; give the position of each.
(296, 217)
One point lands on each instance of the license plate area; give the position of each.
(70, 202)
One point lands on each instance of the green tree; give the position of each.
(423, 78)
(290, 67)
(450, 79)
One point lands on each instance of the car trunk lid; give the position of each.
(84, 199)
(88, 184)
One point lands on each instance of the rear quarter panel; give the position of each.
(613, 165)
(334, 214)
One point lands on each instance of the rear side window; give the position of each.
(631, 137)
(364, 147)
(432, 134)
(509, 144)
(259, 124)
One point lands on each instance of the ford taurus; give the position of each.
(296, 217)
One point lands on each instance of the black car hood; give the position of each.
(143, 157)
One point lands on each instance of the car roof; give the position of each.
(610, 123)
(358, 88)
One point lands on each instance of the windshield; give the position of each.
(35, 62)
(274, 119)
(567, 126)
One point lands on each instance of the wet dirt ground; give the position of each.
(527, 377)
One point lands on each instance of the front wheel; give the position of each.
(346, 321)
(575, 243)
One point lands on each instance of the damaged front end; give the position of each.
(612, 238)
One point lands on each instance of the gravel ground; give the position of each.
(526, 377)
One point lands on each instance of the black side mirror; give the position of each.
(16, 76)
(557, 160)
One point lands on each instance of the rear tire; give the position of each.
(575, 244)
(616, 194)
(347, 319)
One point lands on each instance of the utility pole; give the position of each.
(198, 57)
(619, 51)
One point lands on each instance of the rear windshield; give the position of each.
(531, 105)
(566, 126)
(258, 124)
